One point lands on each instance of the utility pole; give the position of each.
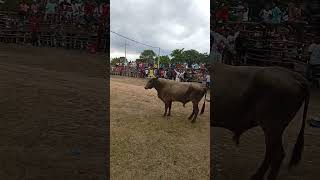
(159, 59)
(125, 51)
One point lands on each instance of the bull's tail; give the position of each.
(204, 101)
(298, 148)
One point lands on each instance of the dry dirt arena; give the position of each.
(146, 145)
(53, 111)
(239, 163)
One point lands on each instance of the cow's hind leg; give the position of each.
(277, 156)
(195, 110)
(166, 105)
(170, 104)
(266, 162)
(191, 115)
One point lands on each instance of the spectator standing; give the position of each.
(208, 80)
(245, 16)
(35, 21)
(219, 41)
(34, 8)
(314, 52)
(88, 12)
(179, 75)
(222, 14)
(266, 14)
(50, 9)
(231, 40)
(276, 14)
(23, 9)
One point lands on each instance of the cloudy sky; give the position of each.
(167, 24)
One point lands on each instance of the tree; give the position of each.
(177, 56)
(192, 56)
(147, 56)
(117, 60)
(164, 61)
(189, 56)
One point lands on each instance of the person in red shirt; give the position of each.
(88, 12)
(35, 28)
(105, 10)
(223, 13)
(23, 9)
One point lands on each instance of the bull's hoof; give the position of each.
(193, 121)
(169, 115)
(256, 177)
(164, 115)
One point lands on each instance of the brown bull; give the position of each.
(269, 97)
(170, 91)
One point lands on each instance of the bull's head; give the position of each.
(151, 83)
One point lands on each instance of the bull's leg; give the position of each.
(191, 115)
(277, 157)
(170, 104)
(196, 111)
(165, 109)
(266, 162)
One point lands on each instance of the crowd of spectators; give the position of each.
(177, 72)
(280, 33)
(62, 17)
(269, 13)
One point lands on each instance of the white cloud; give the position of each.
(166, 24)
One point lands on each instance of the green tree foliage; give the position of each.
(177, 56)
(164, 60)
(147, 56)
(116, 60)
(188, 56)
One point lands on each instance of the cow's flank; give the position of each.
(270, 97)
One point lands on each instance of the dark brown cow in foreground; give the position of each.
(245, 97)
(184, 92)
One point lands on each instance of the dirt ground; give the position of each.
(146, 145)
(232, 163)
(53, 121)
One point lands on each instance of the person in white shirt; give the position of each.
(218, 39)
(245, 12)
(179, 75)
(231, 41)
(146, 71)
(266, 15)
(208, 80)
(314, 52)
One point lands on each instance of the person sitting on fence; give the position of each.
(97, 10)
(314, 52)
(23, 9)
(50, 10)
(63, 7)
(105, 10)
(34, 8)
(276, 14)
(69, 11)
(88, 13)
(222, 14)
(76, 8)
(265, 14)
